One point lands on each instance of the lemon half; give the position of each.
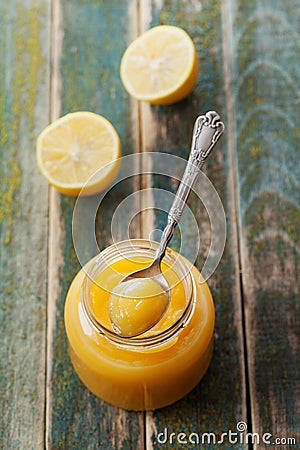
(79, 153)
(160, 66)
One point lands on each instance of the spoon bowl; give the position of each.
(154, 272)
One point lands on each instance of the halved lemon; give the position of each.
(160, 66)
(79, 153)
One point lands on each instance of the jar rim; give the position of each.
(125, 248)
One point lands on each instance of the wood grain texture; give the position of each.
(249, 72)
(219, 401)
(24, 74)
(265, 82)
(91, 49)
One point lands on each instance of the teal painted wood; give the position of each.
(265, 80)
(94, 38)
(264, 44)
(218, 402)
(24, 109)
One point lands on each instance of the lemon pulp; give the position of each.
(160, 66)
(79, 153)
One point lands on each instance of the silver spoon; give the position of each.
(207, 130)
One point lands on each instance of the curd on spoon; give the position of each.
(136, 305)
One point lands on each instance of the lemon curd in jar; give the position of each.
(153, 369)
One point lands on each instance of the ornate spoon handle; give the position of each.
(207, 130)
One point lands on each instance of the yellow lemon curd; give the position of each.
(136, 305)
(156, 368)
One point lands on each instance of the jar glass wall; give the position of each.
(162, 365)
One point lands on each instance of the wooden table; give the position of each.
(62, 56)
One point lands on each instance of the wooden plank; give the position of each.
(88, 60)
(219, 401)
(265, 42)
(24, 106)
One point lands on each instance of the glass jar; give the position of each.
(162, 365)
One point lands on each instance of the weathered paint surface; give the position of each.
(89, 71)
(249, 73)
(24, 111)
(209, 407)
(265, 80)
